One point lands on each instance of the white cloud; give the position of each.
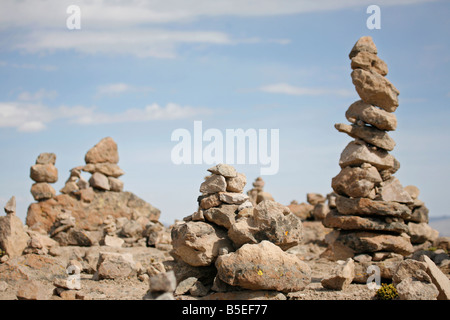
(119, 88)
(29, 117)
(285, 88)
(39, 95)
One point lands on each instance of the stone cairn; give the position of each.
(372, 207)
(234, 245)
(43, 173)
(257, 194)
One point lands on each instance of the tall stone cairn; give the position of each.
(44, 172)
(372, 207)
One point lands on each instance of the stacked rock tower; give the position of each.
(43, 173)
(372, 207)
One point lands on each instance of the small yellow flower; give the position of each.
(286, 233)
(260, 273)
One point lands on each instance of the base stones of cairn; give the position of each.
(44, 172)
(13, 236)
(227, 231)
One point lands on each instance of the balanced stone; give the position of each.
(372, 115)
(364, 44)
(356, 182)
(214, 183)
(44, 173)
(370, 62)
(104, 151)
(370, 135)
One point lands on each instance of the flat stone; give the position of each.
(392, 190)
(185, 285)
(224, 170)
(357, 153)
(233, 197)
(108, 169)
(379, 118)
(263, 266)
(349, 222)
(375, 89)
(214, 183)
(365, 206)
(370, 135)
(439, 279)
(104, 151)
(356, 182)
(370, 62)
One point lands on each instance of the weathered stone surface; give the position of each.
(185, 285)
(113, 265)
(32, 290)
(69, 187)
(233, 197)
(164, 281)
(209, 201)
(10, 206)
(302, 210)
(108, 169)
(262, 196)
(89, 215)
(372, 115)
(364, 44)
(224, 170)
(114, 242)
(237, 184)
(370, 135)
(198, 243)
(224, 216)
(350, 222)
(410, 289)
(364, 206)
(411, 268)
(421, 232)
(357, 152)
(413, 191)
(420, 214)
(364, 241)
(370, 62)
(375, 89)
(263, 266)
(44, 173)
(104, 151)
(341, 276)
(270, 221)
(46, 158)
(392, 190)
(214, 183)
(246, 295)
(42, 191)
(13, 238)
(356, 182)
(115, 184)
(99, 181)
(439, 279)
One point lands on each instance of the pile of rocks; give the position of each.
(13, 236)
(237, 244)
(257, 194)
(372, 207)
(43, 173)
(316, 206)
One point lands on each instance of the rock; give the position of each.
(350, 222)
(224, 215)
(262, 196)
(341, 276)
(369, 62)
(270, 221)
(108, 169)
(410, 289)
(358, 153)
(381, 119)
(13, 238)
(320, 211)
(3, 286)
(10, 207)
(163, 282)
(364, 44)
(89, 215)
(236, 184)
(224, 170)
(114, 242)
(413, 191)
(113, 265)
(209, 201)
(443, 243)
(375, 89)
(199, 290)
(198, 243)
(411, 268)
(315, 198)
(39, 243)
(263, 266)
(233, 197)
(370, 135)
(99, 181)
(364, 241)
(421, 232)
(46, 158)
(303, 210)
(364, 206)
(420, 214)
(115, 184)
(356, 182)
(104, 151)
(214, 183)
(44, 173)
(42, 191)
(439, 279)
(246, 295)
(31, 290)
(69, 187)
(392, 190)
(68, 283)
(185, 285)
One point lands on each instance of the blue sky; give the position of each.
(137, 71)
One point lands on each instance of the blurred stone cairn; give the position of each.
(230, 244)
(375, 218)
(95, 211)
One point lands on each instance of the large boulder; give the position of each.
(263, 266)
